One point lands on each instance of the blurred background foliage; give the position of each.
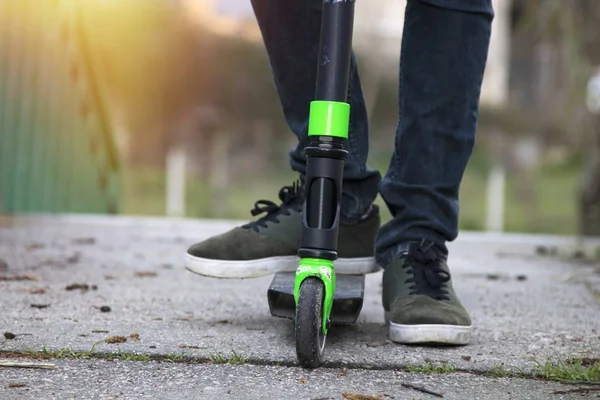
(181, 76)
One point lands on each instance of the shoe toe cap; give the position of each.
(219, 247)
(237, 245)
(423, 310)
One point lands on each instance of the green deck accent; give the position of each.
(57, 148)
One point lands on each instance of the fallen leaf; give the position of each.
(303, 380)
(40, 306)
(16, 385)
(116, 339)
(87, 241)
(105, 309)
(135, 336)
(74, 259)
(35, 246)
(357, 396)
(37, 291)
(9, 335)
(145, 274)
(25, 277)
(78, 286)
(343, 372)
(466, 358)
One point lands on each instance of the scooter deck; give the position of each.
(347, 300)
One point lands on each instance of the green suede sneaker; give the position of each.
(270, 244)
(419, 301)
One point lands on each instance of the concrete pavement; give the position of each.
(527, 307)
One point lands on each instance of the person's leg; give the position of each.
(291, 32)
(444, 53)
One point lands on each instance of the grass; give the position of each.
(581, 370)
(61, 353)
(552, 210)
(431, 368)
(234, 358)
(68, 353)
(577, 370)
(574, 370)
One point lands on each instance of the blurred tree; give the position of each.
(573, 26)
(155, 68)
(554, 46)
(174, 83)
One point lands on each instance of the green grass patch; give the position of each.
(432, 368)
(573, 370)
(60, 353)
(68, 353)
(234, 358)
(579, 370)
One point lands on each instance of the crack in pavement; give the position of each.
(182, 359)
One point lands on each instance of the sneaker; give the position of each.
(270, 244)
(419, 301)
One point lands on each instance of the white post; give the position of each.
(495, 199)
(175, 182)
(495, 94)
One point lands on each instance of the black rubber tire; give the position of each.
(310, 341)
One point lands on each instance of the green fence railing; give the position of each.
(57, 150)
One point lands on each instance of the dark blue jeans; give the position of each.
(444, 52)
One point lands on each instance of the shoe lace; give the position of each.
(428, 276)
(291, 198)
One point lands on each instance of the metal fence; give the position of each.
(57, 150)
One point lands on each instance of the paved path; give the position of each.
(526, 307)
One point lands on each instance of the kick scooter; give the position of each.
(314, 297)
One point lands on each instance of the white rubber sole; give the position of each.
(268, 266)
(435, 334)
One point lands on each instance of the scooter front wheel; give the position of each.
(310, 340)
